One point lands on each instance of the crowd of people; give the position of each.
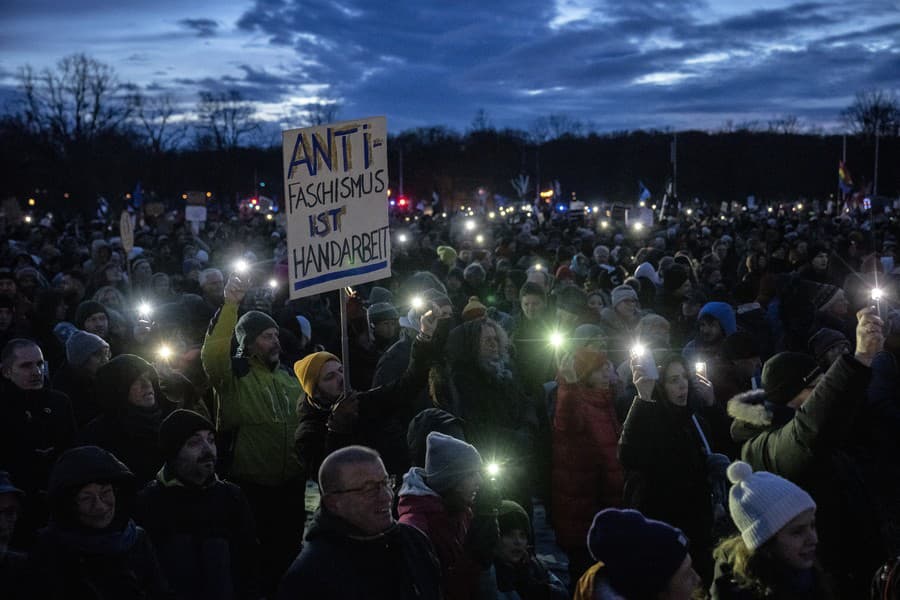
(704, 407)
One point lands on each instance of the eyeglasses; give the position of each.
(370, 488)
(107, 496)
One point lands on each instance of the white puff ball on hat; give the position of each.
(761, 503)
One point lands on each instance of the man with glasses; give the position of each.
(354, 547)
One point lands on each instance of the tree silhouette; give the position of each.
(224, 120)
(874, 112)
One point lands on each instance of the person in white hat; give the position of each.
(774, 553)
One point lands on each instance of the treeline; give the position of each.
(711, 166)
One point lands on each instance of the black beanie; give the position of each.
(512, 516)
(86, 309)
(786, 374)
(674, 277)
(178, 427)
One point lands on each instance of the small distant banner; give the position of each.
(335, 184)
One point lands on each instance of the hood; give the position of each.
(462, 343)
(80, 466)
(430, 419)
(753, 414)
(326, 525)
(646, 270)
(723, 313)
(414, 484)
(114, 379)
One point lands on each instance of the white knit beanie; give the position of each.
(762, 503)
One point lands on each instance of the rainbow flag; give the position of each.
(845, 182)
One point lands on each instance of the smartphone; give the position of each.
(644, 357)
(700, 368)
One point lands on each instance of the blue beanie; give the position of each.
(721, 312)
(639, 555)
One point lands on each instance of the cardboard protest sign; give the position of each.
(335, 184)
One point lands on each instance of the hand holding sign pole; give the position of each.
(335, 189)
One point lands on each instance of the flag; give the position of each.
(137, 196)
(845, 182)
(645, 193)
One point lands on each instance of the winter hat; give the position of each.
(639, 555)
(786, 374)
(572, 300)
(86, 309)
(305, 326)
(721, 312)
(512, 516)
(564, 273)
(740, 344)
(428, 420)
(381, 311)
(7, 487)
(674, 277)
(435, 296)
(81, 345)
(380, 294)
(823, 295)
(307, 370)
(250, 325)
(77, 467)
(448, 460)
(189, 265)
(762, 503)
(447, 255)
(623, 292)
(178, 427)
(824, 340)
(473, 310)
(647, 271)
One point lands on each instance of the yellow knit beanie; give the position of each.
(307, 370)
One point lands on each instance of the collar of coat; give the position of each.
(167, 479)
(754, 409)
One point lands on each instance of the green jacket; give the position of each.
(257, 404)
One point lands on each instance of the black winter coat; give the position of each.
(339, 563)
(126, 570)
(205, 538)
(384, 416)
(811, 447)
(666, 474)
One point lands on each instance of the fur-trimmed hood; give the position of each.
(753, 413)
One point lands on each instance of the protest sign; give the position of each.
(335, 184)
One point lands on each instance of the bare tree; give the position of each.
(563, 125)
(875, 112)
(78, 101)
(787, 124)
(320, 113)
(481, 121)
(225, 119)
(155, 117)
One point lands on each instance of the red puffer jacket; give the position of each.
(587, 476)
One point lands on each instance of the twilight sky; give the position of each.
(617, 64)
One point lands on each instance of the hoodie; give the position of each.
(723, 313)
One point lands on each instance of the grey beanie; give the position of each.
(448, 460)
(81, 345)
(380, 294)
(250, 325)
(381, 311)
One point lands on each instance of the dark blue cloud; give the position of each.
(615, 63)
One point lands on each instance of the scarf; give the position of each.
(140, 421)
(101, 543)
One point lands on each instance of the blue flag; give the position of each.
(645, 193)
(137, 196)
